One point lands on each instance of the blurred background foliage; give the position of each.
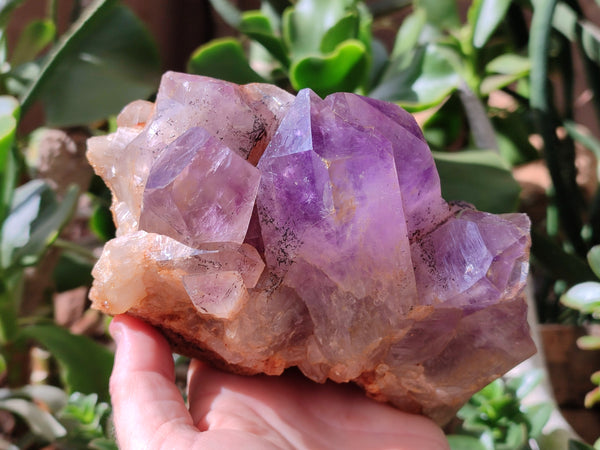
(496, 86)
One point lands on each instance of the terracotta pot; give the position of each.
(569, 370)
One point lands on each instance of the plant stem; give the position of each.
(479, 122)
(560, 156)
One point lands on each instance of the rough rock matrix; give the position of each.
(262, 231)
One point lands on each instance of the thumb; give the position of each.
(149, 411)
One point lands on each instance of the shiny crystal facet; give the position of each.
(335, 254)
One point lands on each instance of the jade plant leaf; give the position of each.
(446, 125)
(566, 21)
(461, 442)
(468, 175)
(9, 113)
(223, 59)
(346, 28)
(85, 365)
(106, 59)
(485, 16)
(593, 258)
(589, 342)
(308, 21)
(40, 422)
(72, 271)
(504, 70)
(342, 70)
(230, 14)
(538, 416)
(584, 297)
(35, 37)
(408, 33)
(524, 384)
(575, 445)
(426, 81)
(592, 397)
(509, 64)
(443, 14)
(34, 222)
(258, 27)
(516, 437)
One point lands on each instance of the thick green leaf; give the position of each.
(479, 177)
(9, 305)
(40, 422)
(85, 365)
(593, 258)
(446, 126)
(104, 61)
(379, 60)
(365, 25)
(524, 384)
(305, 25)
(257, 26)
(21, 77)
(230, 14)
(9, 113)
(574, 445)
(493, 390)
(224, 59)
(409, 33)
(343, 70)
(592, 397)
(72, 271)
(103, 444)
(493, 83)
(35, 220)
(584, 297)
(52, 397)
(509, 64)
(346, 28)
(538, 416)
(463, 442)
(566, 21)
(101, 222)
(484, 17)
(589, 342)
(426, 81)
(512, 134)
(36, 36)
(443, 14)
(516, 437)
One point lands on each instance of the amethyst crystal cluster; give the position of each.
(262, 231)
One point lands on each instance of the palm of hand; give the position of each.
(232, 412)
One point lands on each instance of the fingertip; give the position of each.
(144, 396)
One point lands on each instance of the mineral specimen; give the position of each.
(262, 231)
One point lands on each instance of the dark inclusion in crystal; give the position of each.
(264, 231)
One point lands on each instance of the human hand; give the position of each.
(229, 411)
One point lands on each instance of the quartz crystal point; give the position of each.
(262, 231)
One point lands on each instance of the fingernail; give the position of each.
(116, 330)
